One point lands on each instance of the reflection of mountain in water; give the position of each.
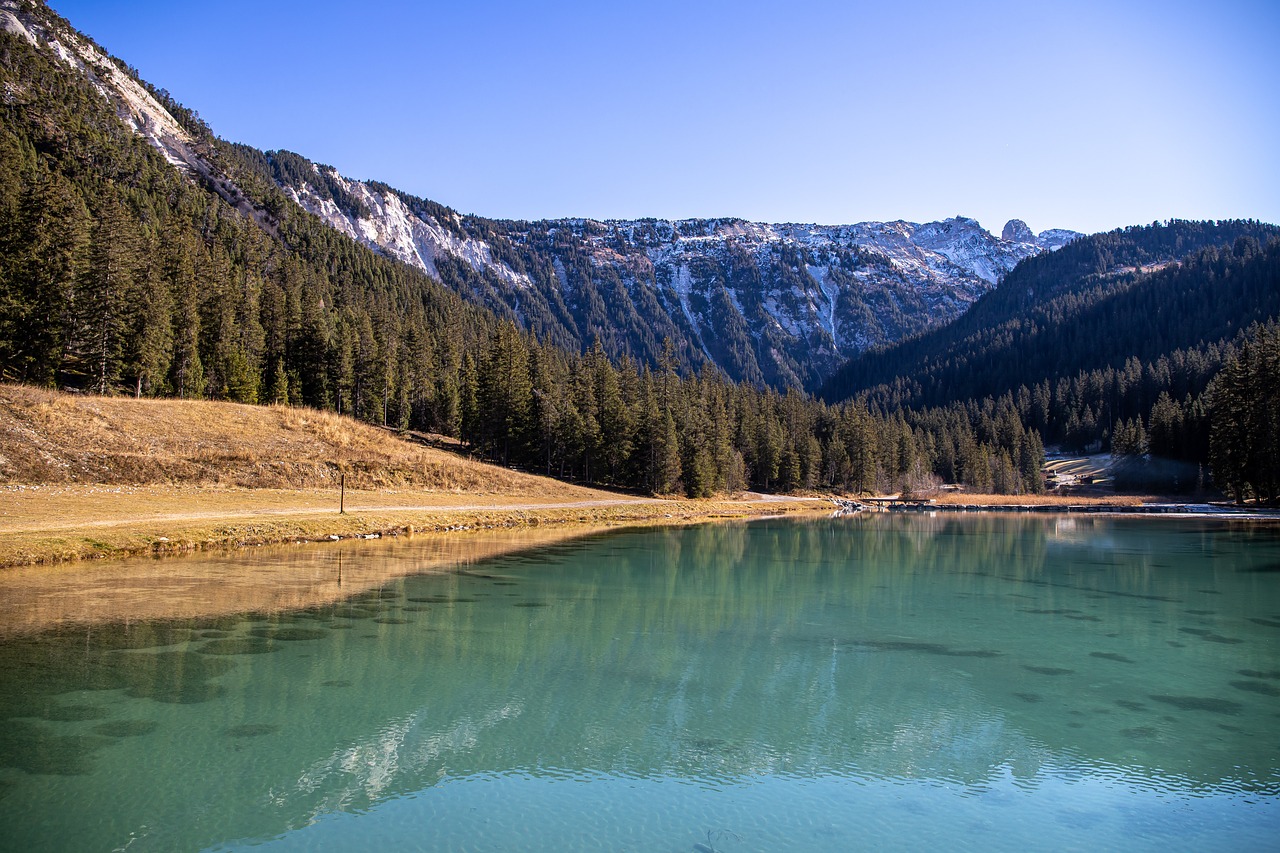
(952, 649)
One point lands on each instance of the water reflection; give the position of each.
(270, 579)
(969, 653)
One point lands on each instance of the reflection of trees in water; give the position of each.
(722, 652)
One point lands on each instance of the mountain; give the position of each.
(777, 305)
(1140, 292)
(141, 254)
(780, 305)
(1114, 343)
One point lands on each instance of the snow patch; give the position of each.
(831, 294)
(682, 283)
(394, 229)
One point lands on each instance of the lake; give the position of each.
(886, 682)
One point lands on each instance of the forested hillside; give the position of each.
(140, 254)
(121, 272)
(1111, 343)
(1092, 304)
(771, 304)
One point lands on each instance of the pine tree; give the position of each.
(43, 247)
(505, 394)
(278, 394)
(100, 301)
(186, 366)
(150, 341)
(1244, 449)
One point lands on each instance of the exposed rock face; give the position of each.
(770, 304)
(767, 303)
(1016, 231)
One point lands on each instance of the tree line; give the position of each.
(118, 274)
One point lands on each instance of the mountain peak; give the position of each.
(1016, 231)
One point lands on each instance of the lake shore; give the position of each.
(53, 523)
(57, 523)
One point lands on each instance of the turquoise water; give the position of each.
(867, 683)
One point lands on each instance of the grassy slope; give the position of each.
(49, 437)
(84, 476)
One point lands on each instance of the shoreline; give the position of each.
(60, 525)
(245, 563)
(1177, 509)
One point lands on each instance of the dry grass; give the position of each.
(86, 477)
(146, 522)
(49, 437)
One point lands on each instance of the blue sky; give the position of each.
(1074, 115)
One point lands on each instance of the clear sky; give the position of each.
(1067, 115)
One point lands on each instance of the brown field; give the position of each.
(50, 437)
(86, 477)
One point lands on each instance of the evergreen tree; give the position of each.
(1244, 448)
(100, 307)
(150, 339)
(43, 247)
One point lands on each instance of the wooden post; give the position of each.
(342, 496)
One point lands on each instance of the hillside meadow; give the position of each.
(86, 476)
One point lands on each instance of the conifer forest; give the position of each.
(120, 274)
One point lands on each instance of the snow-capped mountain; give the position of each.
(781, 304)
(778, 304)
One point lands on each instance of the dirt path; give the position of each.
(63, 523)
(44, 524)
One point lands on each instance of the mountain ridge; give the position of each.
(122, 272)
(818, 293)
(773, 304)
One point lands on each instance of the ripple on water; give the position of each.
(1140, 732)
(1208, 636)
(238, 646)
(1118, 658)
(925, 648)
(126, 728)
(136, 635)
(217, 623)
(35, 749)
(72, 713)
(174, 677)
(1257, 687)
(252, 730)
(358, 613)
(1200, 703)
(1048, 670)
(375, 596)
(288, 633)
(336, 682)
